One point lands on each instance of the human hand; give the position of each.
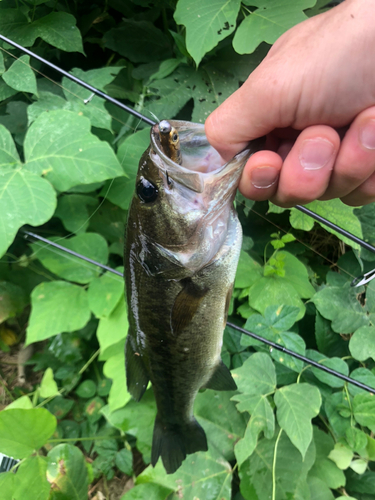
(314, 97)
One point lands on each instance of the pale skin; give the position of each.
(313, 96)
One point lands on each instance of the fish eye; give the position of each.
(146, 191)
(175, 137)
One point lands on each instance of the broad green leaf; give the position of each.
(248, 271)
(256, 472)
(359, 466)
(341, 455)
(220, 420)
(73, 211)
(332, 407)
(24, 431)
(104, 293)
(25, 198)
(207, 23)
(207, 86)
(336, 364)
(262, 419)
(136, 419)
(268, 22)
(324, 468)
(275, 290)
(67, 473)
(15, 120)
(256, 376)
(112, 329)
(75, 94)
(114, 368)
(71, 268)
(60, 407)
(60, 147)
(138, 41)
(151, 491)
(364, 410)
(363, 375)
(124, 461)
(296, 405)
(166, 68)
(8, 153)
(341, 306)
(318, 489)
(362, 343)
(120, 191)
(338, 213)
(24, 402)
(328, 342)
(86, 389)
(30, 481)
(5, 91)
(362, 484)
(20, 76)
(293, 342)
(48, 386)
(57, 28)
(12, 300)
(202, 475)
(296, 274)
(93, 409)
(47, 101)
(366, 215)
(56, 307)
(356, 439)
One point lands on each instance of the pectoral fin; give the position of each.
(136, 373)
(221, 379)
(186, 305)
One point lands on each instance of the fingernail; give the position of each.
(367, 135)
(315, 153)
(264, 177)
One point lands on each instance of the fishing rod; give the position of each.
(271, 344)
(144, 118)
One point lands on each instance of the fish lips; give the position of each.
(202, 165)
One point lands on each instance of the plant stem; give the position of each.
(274, 466)
(89, 362)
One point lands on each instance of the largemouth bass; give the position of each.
(183, 241)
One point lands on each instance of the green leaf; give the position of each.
(73, 211)
(112, 329)
(324, 468)
(8, 153)
(293, 342)
(290, 470)
(336, 364)
(57, 28)
(93, 409)
(67, 473)
(59, 146)
(296, 405)
(248, 271)
(296, 274)
(262, 419)
(341, 455)
(120, 191)
(60, 407)
(91, 245)
(136, 419)
(24, 402)
(362, 343)
(366, 215)
(356, 439)
(318, 489)
(364, 410)
(114, 368)
(30, 481)
(150, 491)
(20, 76)
(220, 420)
(337, 212)
(340, 305)
(202, 475)
(24, 431)
(255, 377)
(48, 386)
(207, 23)
(12, 300)
(104, 293)
(124, 461)
(69, 306)
(166, 68)
(138, 41)
(86, 389)
(362, 375)
(268, 22)
(24, 199)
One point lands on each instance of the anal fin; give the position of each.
(136, 374)
(221, 379)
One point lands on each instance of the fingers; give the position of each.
(261, 174)
(355, 162)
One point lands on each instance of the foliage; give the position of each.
(67, 166)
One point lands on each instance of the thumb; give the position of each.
(250, 112)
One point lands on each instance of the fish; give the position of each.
(182, 245)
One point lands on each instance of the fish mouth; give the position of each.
(201, 163)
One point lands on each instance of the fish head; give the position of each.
(182, 210)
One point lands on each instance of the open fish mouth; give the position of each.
(200, 162)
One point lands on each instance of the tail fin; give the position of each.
(172, 442)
